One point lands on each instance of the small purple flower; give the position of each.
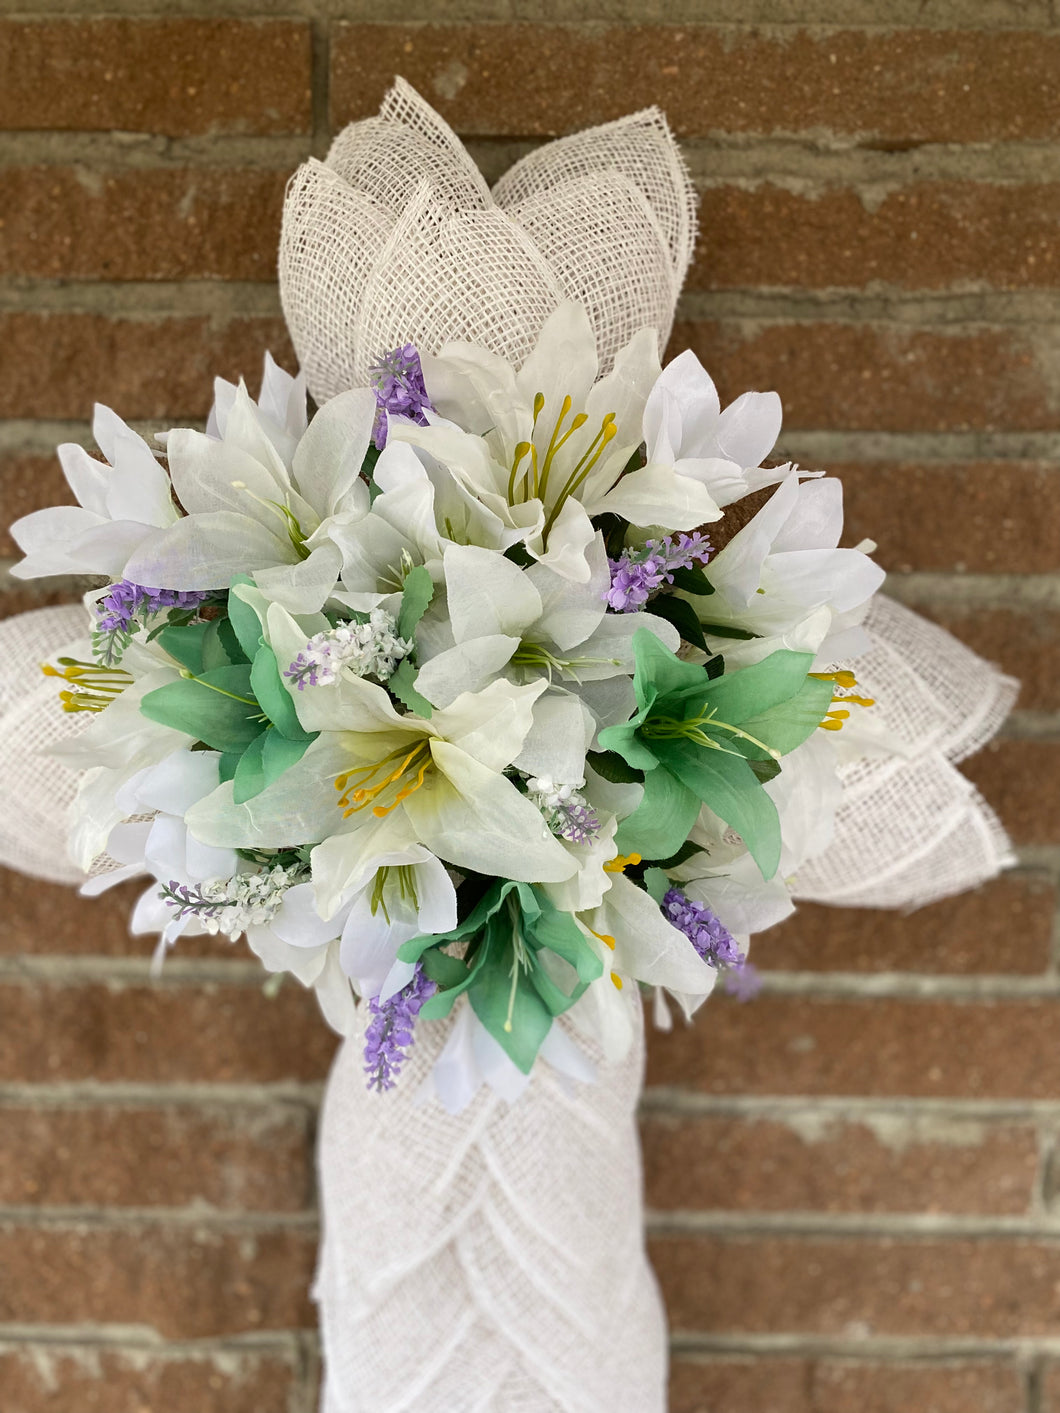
(126, 606)
(389, 1032)
(397, 380)
(637, 573)
(713, 941)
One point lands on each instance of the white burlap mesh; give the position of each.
(491, 1262)
(396, 238)
(36, 791)
(911, 829)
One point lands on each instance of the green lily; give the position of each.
(511, 988)
(712, 741)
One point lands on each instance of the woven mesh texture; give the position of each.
(36, 791)
(397, 238)
(911, 829)
(493, 1261)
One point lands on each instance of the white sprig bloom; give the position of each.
(119, 506)
(546, 446)
(684, 425)
(248, 508)
(369, 649)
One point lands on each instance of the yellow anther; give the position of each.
(616, 981)
(604, 937)
(372, 781)
(621, 862)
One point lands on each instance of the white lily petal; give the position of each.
(205, 551)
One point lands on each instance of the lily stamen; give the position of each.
(408, 775)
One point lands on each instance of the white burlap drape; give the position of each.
(493, 1261)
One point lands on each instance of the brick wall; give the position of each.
(855, 1181)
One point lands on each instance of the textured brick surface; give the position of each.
(925, 85)
(934, 235)
(813, 1164)
(183, 1282)
(1021, 780)
(29, 482)
(150, 76)
(55, 1379)
(880, 377)
(76, 223)
(175, 1156)
(212, 1032)
(1004, 927)
(882, 1285)
(775, 1385)
(148, 367)
(876, 1046)
(991, 517)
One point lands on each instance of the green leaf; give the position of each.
(790, 722)
(445, 971)
(715, 668)
(245, 622)
(764, 769)
(416, 594)
(656, 884)
(726, 630)
(214, 708)
(403, 685)
(249, 779)
(280, 752)
(611, 766)
(185, 644)
(274, 697)
(728, 785)
(693, 581)
(661, 822)
(561, 934)
(228, 765)
(220, 646)
(519, 1025)
(682, 615)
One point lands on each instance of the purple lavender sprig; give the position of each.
(126, 607)
(191, 902)
(713, 941)
(389, 1032)
(397, 380)
(637, 573)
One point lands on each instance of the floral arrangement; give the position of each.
(465, 687)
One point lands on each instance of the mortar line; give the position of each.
(832, 1226)
(214, 1219)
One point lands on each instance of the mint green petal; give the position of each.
(487, 905)
(220, 646)
(185, 645)
(491, 998)
(416, 594)
(729, 786)
(249, 779)
(276, 701)
(789, 723)
(561, 934)
(658, 672)
(626, 741)
(218, 718)
(661, 822)
(749, 691)
(403, 685)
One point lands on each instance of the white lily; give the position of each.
(119, 506)
(684, 425)
(442, 781)
(548, 445)
(784, 566)
(246, 508)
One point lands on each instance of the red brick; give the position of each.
(871, 1046)
(932, 235)
(883, 377)
(58, 364)
(997, 1288)
(172, 1156)
(171, 76)
(28, 595)
(1005, 927)
(57, 1379)
(1021, 779)
(28, 482)
(185, 1283)
(821, 1164)
(989, 517)
(782, 1385)
(900, 86)
(162, 1034)
(1022, 641)
(187, 224)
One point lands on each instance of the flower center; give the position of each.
(532, 481)
(406, 886)
(295, 533)
(92, 686)
(668, 728)
(386, 783)
(846, 681)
